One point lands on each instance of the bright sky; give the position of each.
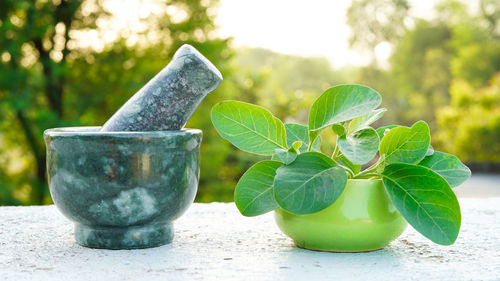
(298, 27)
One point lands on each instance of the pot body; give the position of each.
(122, 190)
(362, 219)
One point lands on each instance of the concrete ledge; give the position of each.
(214, 242)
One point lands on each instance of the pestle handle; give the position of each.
(168, 100)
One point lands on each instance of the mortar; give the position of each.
(123, 184)
(123, 190)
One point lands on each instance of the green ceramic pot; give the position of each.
(362, 219)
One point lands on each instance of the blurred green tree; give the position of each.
(470, 124)
(373, 24)
(287, 85)
(33, 41)
(376, 21)
(433, 63)
(421, 70)
(52, 75)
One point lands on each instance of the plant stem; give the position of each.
(350, 173)
(370, 171)
(312, 137)
(335, 152)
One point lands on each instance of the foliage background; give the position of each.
(445, 70)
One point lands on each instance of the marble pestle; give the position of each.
(168, 100)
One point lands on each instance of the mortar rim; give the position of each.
(93, 131)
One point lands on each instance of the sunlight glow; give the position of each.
(312, 28)
(295, 27)
(305, 28)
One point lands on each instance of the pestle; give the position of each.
(168, 100)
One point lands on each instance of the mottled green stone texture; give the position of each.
(168, 100)
(122, 190)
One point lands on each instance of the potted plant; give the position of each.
(328, 202)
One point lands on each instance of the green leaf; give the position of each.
(249, 127)
(316, 146)
(406, 145)
(342, 103)
(359, 147)
(425, 200)
(365, 120)
(297, 132)
(310, 184)
(381, 131)
(448, 166)
(430, 151)
(338, 129)
(285, 156)
(254, 192)
(355, 168)
(313, 137)
(296, 145)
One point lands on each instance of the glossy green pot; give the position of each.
(362, 219)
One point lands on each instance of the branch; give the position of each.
(30, 137)
(39, 192)
(65, 13)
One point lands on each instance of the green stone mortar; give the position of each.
(123, 190)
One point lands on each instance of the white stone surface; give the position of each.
(214, 242)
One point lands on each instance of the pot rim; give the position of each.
(93, 131)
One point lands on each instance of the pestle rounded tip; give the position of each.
(168, 100)
(187, 49)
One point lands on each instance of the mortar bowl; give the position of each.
(123, 190)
